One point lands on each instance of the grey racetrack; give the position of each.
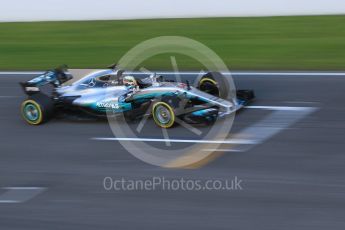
(293, 180)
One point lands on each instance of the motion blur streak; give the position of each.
(233, 141)
(286, 179)
(19, 194)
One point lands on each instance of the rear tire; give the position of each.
(37, 109)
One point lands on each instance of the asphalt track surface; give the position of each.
(51, 176)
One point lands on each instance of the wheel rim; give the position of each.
(209, 87)
(31, 112)
(163, 114)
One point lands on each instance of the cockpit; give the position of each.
(107, 78)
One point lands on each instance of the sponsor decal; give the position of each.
(32, 89)
(108, 105)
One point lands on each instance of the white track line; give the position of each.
(226, 73)
(280, 119)
(22, 188)
(19, 194)
(19, 73)
(280, 108)
(8, 201)
(233, 141)
(221, 150)
(257, 73)
(288, 73)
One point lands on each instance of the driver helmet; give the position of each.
(129, 81)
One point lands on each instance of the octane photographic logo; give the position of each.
(185, 145)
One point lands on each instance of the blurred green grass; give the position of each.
(271, 43)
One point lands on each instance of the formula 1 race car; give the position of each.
(112, 91)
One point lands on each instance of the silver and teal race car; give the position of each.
(112, 92)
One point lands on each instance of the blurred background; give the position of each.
(290, 52)
(264, 42)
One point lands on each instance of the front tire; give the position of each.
(163, 114)
(37, 109)
(214, 83)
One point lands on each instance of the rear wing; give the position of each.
(54, 77)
